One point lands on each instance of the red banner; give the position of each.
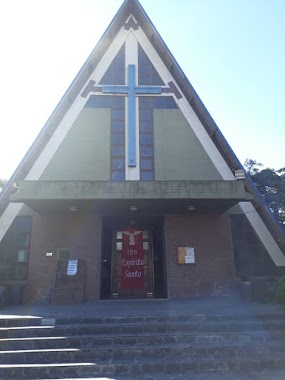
(132, 260)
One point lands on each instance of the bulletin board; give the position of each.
(186, 255)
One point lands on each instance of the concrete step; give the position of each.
(265, 374)
(69, 355)
(171, 318)
(85, 341)
(6, 321)
(135, 368)
(143, 347)
(20, 321)
(141, 328)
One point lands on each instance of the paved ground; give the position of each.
(214, 305)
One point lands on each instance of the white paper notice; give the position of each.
(72, 267)
(190, 256)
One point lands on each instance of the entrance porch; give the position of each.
(184, 227)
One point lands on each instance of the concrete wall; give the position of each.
(80, 233)
(85, 152)
(213, 273)
(178, 154)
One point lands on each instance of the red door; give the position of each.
(132, 263)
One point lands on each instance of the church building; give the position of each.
(130, 189)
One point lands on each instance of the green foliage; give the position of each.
(281, 287)
(271, 185)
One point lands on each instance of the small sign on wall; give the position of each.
(186, 255)
(72, 267)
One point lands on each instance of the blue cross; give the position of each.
(131, 90)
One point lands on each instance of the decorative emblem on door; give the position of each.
(131, 236)
(132, 260)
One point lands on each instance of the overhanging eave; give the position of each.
(169, 196)
(48, 190)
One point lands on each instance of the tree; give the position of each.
(271, 185)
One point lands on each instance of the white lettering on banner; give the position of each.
(131, 263)
(135, 274)
(132, 252)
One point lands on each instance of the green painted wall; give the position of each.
(178, 154)
(85, 152)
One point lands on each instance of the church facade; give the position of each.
(130, 190)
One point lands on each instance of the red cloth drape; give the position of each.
(132, 259)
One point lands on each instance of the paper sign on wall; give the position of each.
(189, 257)
(72, 267)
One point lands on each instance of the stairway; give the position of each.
(144, 347)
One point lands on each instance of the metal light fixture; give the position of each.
(240, 174)
(191, 208)
(133, 208)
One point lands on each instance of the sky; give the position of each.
(232, 51)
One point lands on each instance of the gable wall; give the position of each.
(178, 154)
(85, 152)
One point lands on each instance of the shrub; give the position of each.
(281, 287)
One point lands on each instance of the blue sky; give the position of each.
(232, 51)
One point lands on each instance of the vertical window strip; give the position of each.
(147, 74)
(115, 74)
(118, 138)
(146, 140)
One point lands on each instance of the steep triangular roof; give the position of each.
(131, 16)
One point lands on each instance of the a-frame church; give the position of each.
(130, 190)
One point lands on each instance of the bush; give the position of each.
(281, 287)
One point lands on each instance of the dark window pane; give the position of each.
(118, 151)
(99, 101)
(147, 176)
(146, 151)
(118, 126)
(118, 101)
(146, 115)
(164, 102)
(145, 126)
(22, 240)
(147, 74)
(145, 139)
(145, 102)
(118, 138)
(118, 114)
(118, 164)
(118, 176)
(22, 256)
(146, 164)
(115, 73)
(21, 271)
(64, 254)
(23, 224)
